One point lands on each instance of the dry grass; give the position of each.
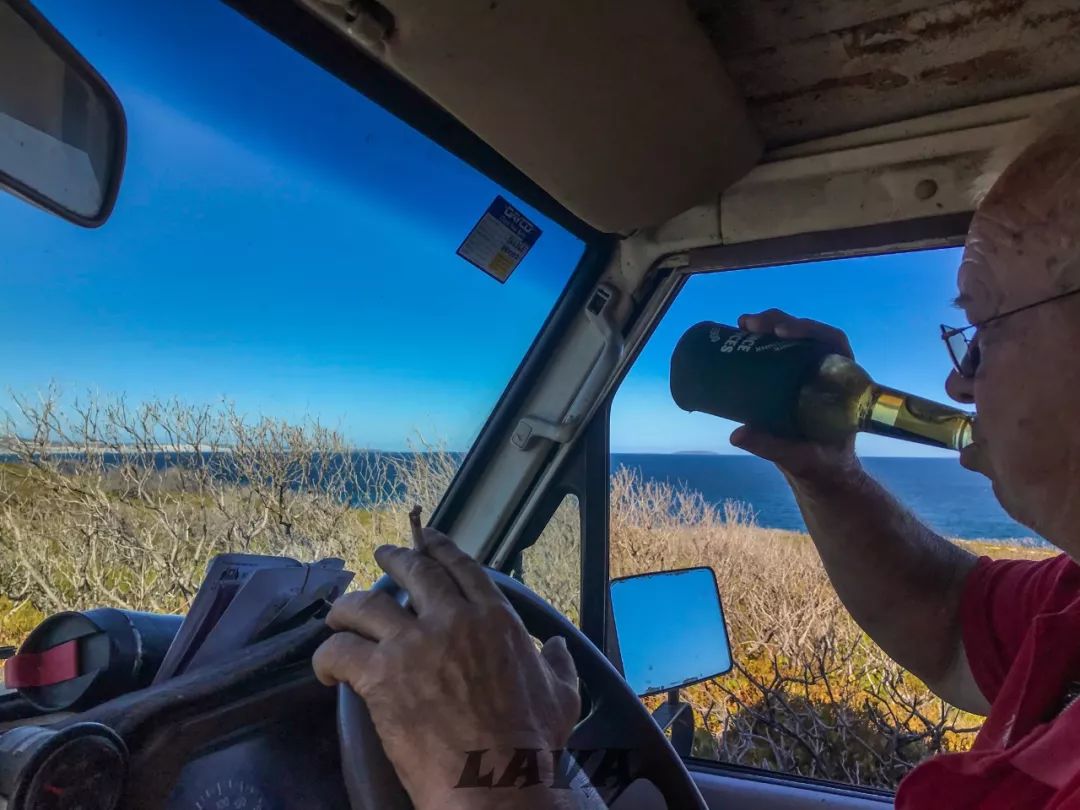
(810, 693)
(89, 516)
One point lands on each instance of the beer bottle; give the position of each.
(801, 389)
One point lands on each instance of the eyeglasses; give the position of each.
(964, 351)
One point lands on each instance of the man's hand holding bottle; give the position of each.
(796, 386)
(801, 460)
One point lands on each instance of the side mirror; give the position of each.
(670, 629)
(62, 129)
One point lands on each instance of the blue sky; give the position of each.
(283, 243)
(278, 241)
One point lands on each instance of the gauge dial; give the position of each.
(231, 794)
(85, 773)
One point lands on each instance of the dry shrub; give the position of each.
(17, 620)
(109, 505)
(552, 565)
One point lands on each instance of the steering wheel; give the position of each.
(617, 719)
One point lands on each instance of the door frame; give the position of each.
(667, 282)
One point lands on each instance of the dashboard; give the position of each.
(292, 763)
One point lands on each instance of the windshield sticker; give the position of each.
(500, 240)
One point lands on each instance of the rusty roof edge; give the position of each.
(996, 112)
(934, 146)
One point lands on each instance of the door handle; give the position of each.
(600, 312)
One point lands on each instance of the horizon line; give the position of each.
(10, 448)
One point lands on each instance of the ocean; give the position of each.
(951, 500)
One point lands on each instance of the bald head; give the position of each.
(1027, 224)
(1062, 118)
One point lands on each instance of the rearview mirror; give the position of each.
(670, 629)
(62, 129)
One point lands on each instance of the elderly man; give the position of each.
(994, 637)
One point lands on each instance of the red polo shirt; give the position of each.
(1021, 626)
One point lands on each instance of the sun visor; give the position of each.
(621, 111)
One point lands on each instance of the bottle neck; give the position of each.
(835, 402)
(905, 416)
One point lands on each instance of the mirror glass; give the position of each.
(61, 129)
(670, 628)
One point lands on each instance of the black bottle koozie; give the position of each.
(749, 378)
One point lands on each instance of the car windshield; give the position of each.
(272, 346)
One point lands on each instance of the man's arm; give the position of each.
(900, 581)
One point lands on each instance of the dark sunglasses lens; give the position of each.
(964, 355)
(970, 362)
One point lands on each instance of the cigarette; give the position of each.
(417, 529)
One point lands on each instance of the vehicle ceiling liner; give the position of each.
(623, 112)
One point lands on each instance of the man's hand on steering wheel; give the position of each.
(460, 675)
